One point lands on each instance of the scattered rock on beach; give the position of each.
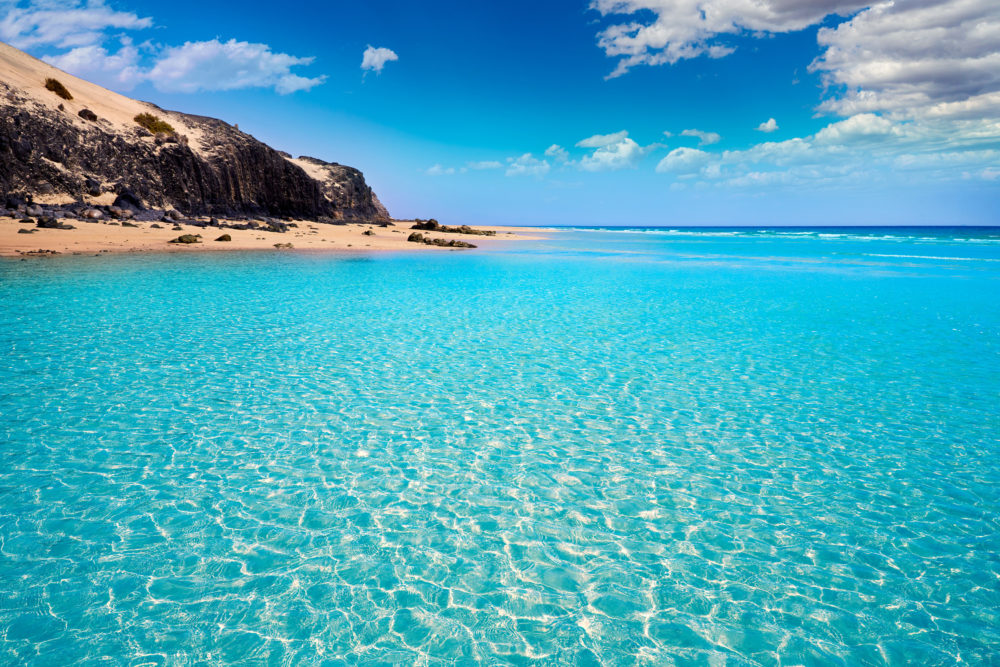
(26, 231)
(225, 237)
(87, 114)
(155, 226)
(187, 238)
(417, 237)
(46, 222)
(128, 200)
(368, 232)
(433, 225)
(283, 245)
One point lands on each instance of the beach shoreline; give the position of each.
(109, 237)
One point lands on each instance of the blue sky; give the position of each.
(664, 112)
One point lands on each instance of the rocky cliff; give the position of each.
(90, 146)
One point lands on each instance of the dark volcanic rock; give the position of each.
(87, 114)
(225, 237)
(46, 222)
(417, 237)
(128, 200)
(220, 171)
(14, 201)
(345, 187)
(187, 238)
(433, 225)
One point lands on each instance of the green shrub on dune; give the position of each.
(154, 124)
(56, 87)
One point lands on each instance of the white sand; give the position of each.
(90, 237)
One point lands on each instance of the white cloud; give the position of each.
(612, 152)
(64, 25)
(215, 65)
(704, 138)
(557, 153)
(84, 28)
(666, 31)
(906, 58)
(438, 170)
(485, 164)
(527, 165)
(861, 150)
(770, 125)
(94, 63)
(374, 59)
(684, 160)
(602, 140)
(864, 126)
(937, 58)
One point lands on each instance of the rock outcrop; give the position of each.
(345, 185)
(207, 167)
(433, 225)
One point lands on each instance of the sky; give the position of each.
(582, 112)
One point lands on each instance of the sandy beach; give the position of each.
(109, 237)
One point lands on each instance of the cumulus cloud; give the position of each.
(527, 165)
(65, 24)
(120, 69)
(909, 59)
(485, 164)
(611, 152)
(438, 170)
(863, 127)
(933, 58)
(769, 125)
(215, 65)
(860, 150)
(660, 32)
(704, 138)
(601, 140)
(684, 160)
(374, 59)
(82, 30)
(557, 153)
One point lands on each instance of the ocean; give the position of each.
(608, 447)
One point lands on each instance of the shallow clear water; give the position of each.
(620, 448)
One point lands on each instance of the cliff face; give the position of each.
(48, 147)
(345, 185)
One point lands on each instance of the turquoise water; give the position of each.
(706, 448)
